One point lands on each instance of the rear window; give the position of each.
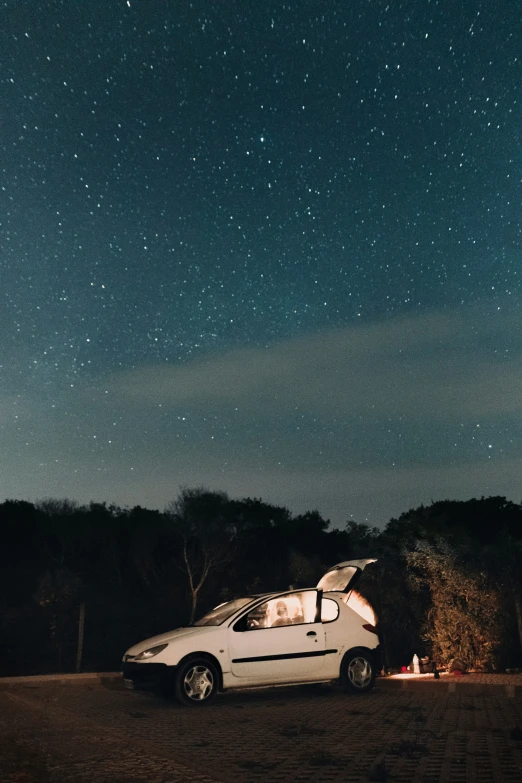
(337, 579)
(329, 610)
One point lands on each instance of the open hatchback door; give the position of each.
(343, 576)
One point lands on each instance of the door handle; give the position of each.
(311, 633)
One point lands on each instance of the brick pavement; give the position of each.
(87, 732)
(472, 684)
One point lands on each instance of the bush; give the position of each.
(465, 619)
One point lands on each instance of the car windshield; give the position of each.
(222, 612)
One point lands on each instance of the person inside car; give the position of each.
(282, 615)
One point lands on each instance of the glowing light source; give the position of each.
(360, 605)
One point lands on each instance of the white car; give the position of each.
(291, 637)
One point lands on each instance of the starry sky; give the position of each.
(272, 248)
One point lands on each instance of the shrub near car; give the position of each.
(292, 637)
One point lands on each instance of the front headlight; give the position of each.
(150, 653)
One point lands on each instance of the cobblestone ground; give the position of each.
(96, 734)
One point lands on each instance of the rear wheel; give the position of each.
(196, 682)
(358, 672)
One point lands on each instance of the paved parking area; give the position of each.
(104, 734)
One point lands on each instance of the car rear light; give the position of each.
(371, 628)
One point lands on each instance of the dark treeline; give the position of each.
(447, 582)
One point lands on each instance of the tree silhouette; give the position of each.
(198, 517)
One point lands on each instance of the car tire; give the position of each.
(196, 681)
(358, 671)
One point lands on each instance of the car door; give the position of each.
(279, 640)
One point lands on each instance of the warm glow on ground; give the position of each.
(414, 676)
(360, 605)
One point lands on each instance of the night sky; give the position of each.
(272, 248)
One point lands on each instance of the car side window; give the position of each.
(329, 610)
(293, 609)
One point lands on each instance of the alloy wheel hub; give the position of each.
(198, 683)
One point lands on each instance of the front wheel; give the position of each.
(358, 672)
(196, 682)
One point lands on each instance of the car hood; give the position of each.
(171, 636)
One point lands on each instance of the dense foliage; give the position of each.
(465, 618)
(446, 582)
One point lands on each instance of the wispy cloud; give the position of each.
(350, 421)
(430, 366)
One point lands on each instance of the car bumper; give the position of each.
(146, 676)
